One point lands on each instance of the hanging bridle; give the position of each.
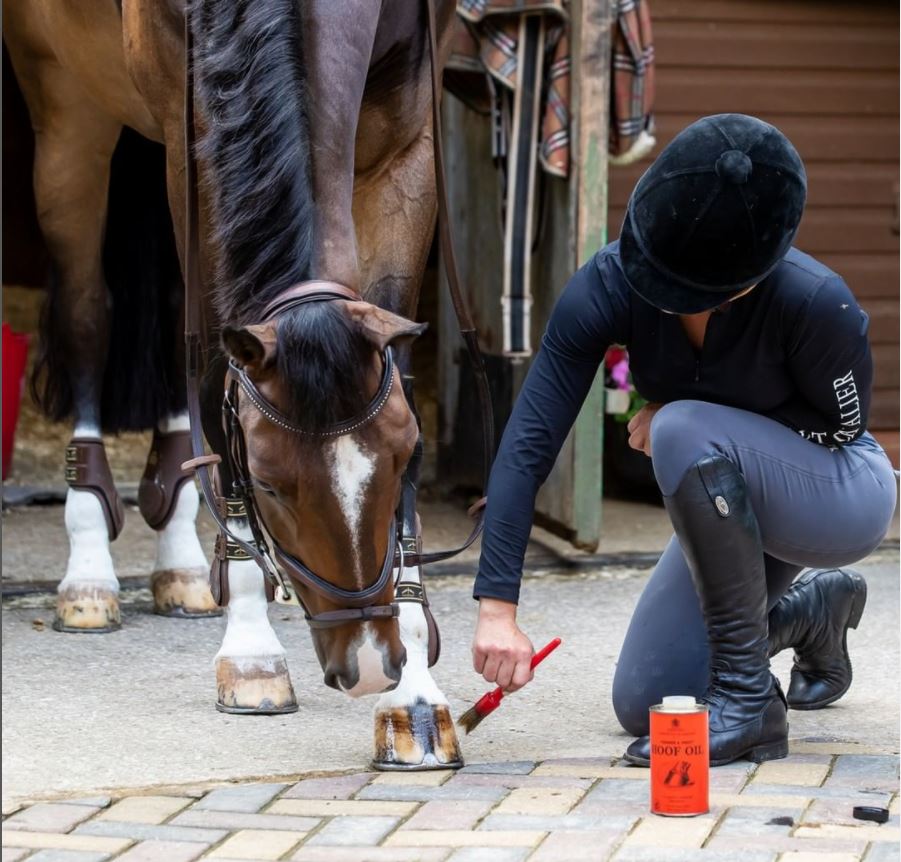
(355, 605)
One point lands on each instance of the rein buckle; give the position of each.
(281, 598)
(284, 594)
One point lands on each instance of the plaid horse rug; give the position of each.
(512, 61)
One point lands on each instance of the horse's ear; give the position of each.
(252, 347)
(383, 327)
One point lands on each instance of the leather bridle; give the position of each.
(359, 605)
(354, 605)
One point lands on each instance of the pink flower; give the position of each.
(620, 375)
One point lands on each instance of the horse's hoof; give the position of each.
(417, 737)
(87, 609)
(254, 685)
(183, 593)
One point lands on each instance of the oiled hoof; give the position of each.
(183, 593)
(87, 609)
(249, 685)
(417, 737)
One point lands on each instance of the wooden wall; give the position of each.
(825, 73)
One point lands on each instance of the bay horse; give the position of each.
(315, 163)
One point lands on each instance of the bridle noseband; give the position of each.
(359, 605)
(359, 602)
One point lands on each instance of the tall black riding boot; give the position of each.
(719, 536)
(814, 617)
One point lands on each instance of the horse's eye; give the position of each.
(265, 487)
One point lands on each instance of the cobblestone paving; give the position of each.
(793, 810)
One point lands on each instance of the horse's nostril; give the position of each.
(341, 680)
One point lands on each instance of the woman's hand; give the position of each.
(639, 428)
(500, 651)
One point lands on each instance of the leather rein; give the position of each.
(355, 605)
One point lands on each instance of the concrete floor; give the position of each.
(135, 708)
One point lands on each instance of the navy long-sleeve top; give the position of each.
(795, 349)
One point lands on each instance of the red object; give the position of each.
(680, 760)
(15, 352)
(614, 356)
(491, 701)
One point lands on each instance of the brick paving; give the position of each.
(567, 810)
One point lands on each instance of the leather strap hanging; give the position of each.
(446, 242)
(516, 301)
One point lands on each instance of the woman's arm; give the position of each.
(592, 313)
(828, 354)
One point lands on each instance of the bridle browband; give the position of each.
(358, 605)
(276, 417)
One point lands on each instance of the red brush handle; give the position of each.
(544, 652)
(489, 702)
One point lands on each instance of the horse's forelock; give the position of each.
(322, 362)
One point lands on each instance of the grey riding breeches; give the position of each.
(816, 507)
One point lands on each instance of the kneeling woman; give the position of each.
(755, 359)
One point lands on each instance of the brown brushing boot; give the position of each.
(720, 538)
(814, 617)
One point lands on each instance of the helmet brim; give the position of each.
(654, 287)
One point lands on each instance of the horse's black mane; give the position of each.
(249, 81)
(322, 359)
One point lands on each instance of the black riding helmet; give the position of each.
(714, 214)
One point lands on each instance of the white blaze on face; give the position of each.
(352, 468)
(370, 662)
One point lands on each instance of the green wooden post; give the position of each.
(592, 21)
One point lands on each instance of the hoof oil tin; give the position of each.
(680, 758)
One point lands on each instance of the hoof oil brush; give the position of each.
(488, 703)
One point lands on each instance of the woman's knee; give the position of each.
(630, 705)
(682, 433)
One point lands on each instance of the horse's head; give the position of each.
(326, 490)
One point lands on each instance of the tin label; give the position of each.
(680, 763)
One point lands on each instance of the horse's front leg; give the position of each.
(413, 724)
(251, 668)
(394, 215)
